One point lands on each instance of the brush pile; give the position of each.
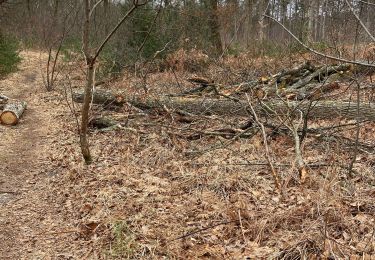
(305, 81)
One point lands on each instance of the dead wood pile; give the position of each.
(305, 81)
(230, 107)
(289, 92)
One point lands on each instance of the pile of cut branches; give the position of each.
(305, 81)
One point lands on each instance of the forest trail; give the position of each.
(26, 216)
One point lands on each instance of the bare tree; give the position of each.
(91, 58)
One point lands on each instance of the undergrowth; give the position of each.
(124, 245)
(9, 57)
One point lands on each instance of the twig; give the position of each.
(297, 146)
(240, 220)
(357, 133)
(268, 157)
(149, 30)
(367, 3)
(58, 232)
(71, 105)
(202, 229)
(109, 36)
(8, 192)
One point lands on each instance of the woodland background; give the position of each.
(192, 159)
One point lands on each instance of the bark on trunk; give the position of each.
(214, 24)
(12, 112)
(85, 115)
(90, 63)
(3, 101)
(319, 109)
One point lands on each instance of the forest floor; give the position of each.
(150, 195)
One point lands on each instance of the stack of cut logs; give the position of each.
(11, 110)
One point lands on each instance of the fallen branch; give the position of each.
(268, 157)
(297, 147)
(203, 229)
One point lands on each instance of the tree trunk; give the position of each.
(311, 19)
(284, 16)
(319, 109)
(323, 21)
(106, 16)
(101, 98)
(261, 22)
(214, 24)
(85, 115)
(85, 148)
(12, 112)
(90, 66)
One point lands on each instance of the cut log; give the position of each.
(12, 112)
(101, 97)
(320, 73)
(319, 109)
(307, 66)
(314, 90)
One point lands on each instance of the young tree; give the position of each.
(91, 57)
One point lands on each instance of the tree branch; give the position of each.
(94, 7)
(135, 6)
(360, 21)
(317, 52)
(367, 3)
(86, 32)
(265, 144)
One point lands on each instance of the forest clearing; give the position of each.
(186, 150)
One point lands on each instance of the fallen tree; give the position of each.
(232, 107)
(12, 112)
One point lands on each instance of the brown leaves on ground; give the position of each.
(151, 199)
(152, 193)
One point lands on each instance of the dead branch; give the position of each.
(317, 52)
(268, 157)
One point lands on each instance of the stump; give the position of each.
(12, 112)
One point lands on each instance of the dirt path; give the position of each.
(26, 216)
